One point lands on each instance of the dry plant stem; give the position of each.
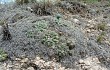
(6, 33)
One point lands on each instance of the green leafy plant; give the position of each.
(51, 38)
(3, 55)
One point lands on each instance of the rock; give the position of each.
(37, 58)
(104, 16)
(30, 68)
(108, 25)
(91, 27)
(76, 20)
(81, 61)
(24, 60)
(29, 9)
(71, 46)
(17, 59)
(87, 62)
(88, 25)
(88, 31)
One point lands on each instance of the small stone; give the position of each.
(95, 59)
(9, 66)
(88, 31)
(30, 9)
(108, 25)
(71, 45)
(25, 60)
(30, 68)
(76, 20)
(91, 27)
(104, 16)
(107, 42)
(81, 61)
(92, 30)
(88, 25)
(62, 68)
(87, 62)
(37, 58)
(4, 64)
(17, 59)
(42, 61)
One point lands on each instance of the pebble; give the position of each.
(87, 62)
(81, 61)
(76, 20)
(108, 25)
(88, 25)
(30, 68)
(88, 31)
(25, 60)
(17, 59)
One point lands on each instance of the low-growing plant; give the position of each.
(3, 55)
(40, 26)
(59, 21)
(51, 38)
(100, 37)
(58, 16)
(102, 26)
(21, 1)
(30, 34)
(90, 1)
(62, 50)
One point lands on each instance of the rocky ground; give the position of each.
(84, 36)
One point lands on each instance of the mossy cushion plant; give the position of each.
(1, 22)
(51, 38)
(102, 26)
(40, 26)
(101, 37)
(3, 55)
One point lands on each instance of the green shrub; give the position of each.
(3, 55)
